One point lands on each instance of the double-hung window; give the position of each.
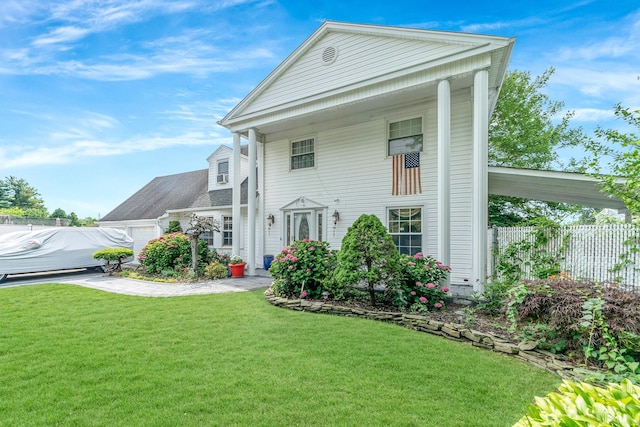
(405, 136)
(405, 227)
(303, 154)
(207, 237)
(227, 231)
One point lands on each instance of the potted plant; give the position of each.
(236, 264)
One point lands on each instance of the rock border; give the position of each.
(453, 331)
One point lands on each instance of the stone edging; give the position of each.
(457, 332)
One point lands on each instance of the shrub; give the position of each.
(579, 317)
(368, 256)
(115, 255)
(580, 404)
(173, 227)
(493, 297)
(421, 285)
(172, 252)
(216, 270)
(302, 268)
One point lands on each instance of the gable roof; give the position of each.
(343, 64)
(176, 192)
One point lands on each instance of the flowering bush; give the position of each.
(421, 288)
(305, 263)
(171, 253)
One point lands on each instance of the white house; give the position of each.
(206, 192)
(372, 119)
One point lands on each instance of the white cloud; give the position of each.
(592, 115)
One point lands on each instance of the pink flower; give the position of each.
(413, 292)
(431, 285)
(308, 270)
(411, 263)
(303, 294)
(444, 289)
(426, 267)
(291, 267)
(311, 248)
(437, 305)
(418, 255)
(419, 284)
(423, 300)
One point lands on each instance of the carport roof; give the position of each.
(550, 186)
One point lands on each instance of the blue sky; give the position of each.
(98, 97)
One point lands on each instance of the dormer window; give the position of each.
(223, 172)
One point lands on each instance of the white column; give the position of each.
(251, 206)
(479, 211)
(235, 212)
(261, 213)
(444, 172)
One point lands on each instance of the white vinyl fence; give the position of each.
(593, 250)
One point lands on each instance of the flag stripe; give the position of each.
(405, 174)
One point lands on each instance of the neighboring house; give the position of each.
(372, 119)
(207, 192)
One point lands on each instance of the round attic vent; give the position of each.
(329, 55)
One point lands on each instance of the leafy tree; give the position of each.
(23, 195)
(5, 195)
(174, 227)
(368, 255)
(523, 133)
(197, 226)
(623, 152)
(58, 213)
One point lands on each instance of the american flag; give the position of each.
(406, 174)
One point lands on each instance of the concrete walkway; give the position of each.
(126, 286)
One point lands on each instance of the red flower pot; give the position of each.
(237, 270)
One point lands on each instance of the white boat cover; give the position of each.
(57, 248)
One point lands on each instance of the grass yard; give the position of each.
(72, 356)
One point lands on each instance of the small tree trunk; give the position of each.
(194, 253)
(372, 293)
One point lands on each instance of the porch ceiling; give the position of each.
(550, 186)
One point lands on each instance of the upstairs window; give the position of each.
(405, 136)
(223, 172)
(302, 154)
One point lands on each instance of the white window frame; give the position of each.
(314, 139)
(316, 219)
(389, 122)
(221, 162)
(423, 225)
(224, 230)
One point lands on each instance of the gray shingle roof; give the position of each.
(171, 192)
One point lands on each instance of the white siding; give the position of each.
(360, 58)
(352, 175)
(224, 153)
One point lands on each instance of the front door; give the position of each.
(301, 225)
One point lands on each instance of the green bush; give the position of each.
(368, 256)
(305, 263)
(421, 286)
(113, 255)
(174, 227)
(172, 252)
(216, 270)
(580, 404)
(493, 297)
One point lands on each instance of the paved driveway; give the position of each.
(121, 285)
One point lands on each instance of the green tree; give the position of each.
(368, 256)
(58, 213)
(22, 195)
(524, 132)
(620, 155)
(5, 195)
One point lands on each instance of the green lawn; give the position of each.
(73, 356)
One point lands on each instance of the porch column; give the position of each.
(480, 204)
(251, 205)
(444, 172)
(235, 203)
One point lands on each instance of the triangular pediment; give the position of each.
(302, 203)
(341, 58)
